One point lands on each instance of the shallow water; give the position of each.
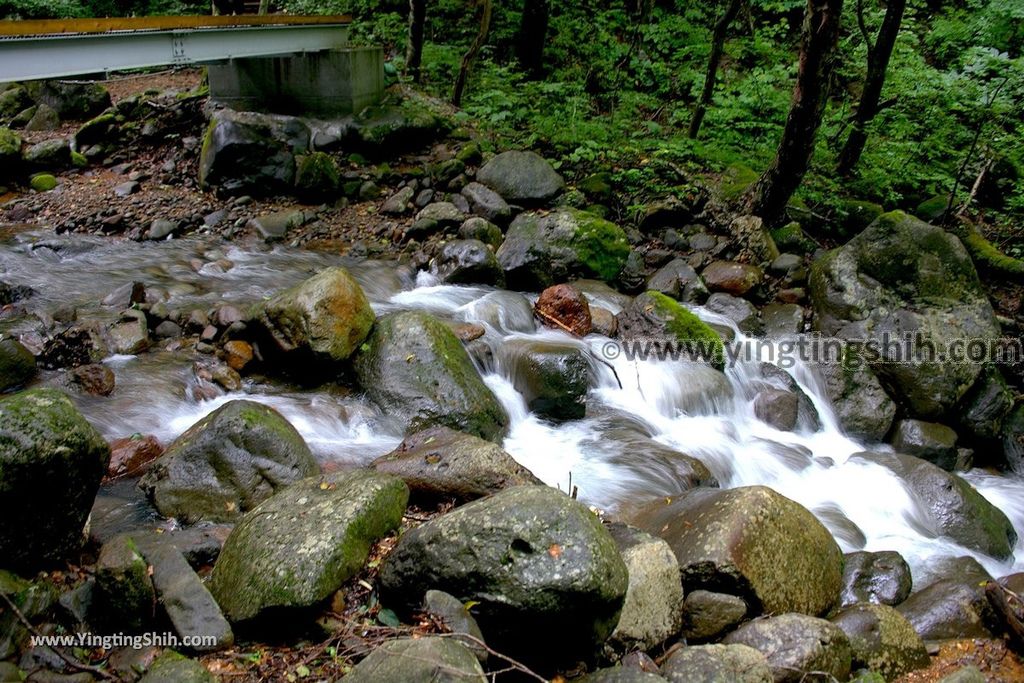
(678, 404)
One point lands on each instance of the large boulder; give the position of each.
(951, 506)
(734, 541)
(881, 578)
(72, 100)
(541, 249)
(948, 609)
(521, 177)
(227, 463)
(251, 153)
(324, 318)
(547, 577)
(51, 464)
(717, 664)
(298, 547)
(10, 151)
(926, 440)
(467, 262)
(671, 329)
(17, 364)
(797, 645)
(882, 640)
(414, 367)
(441, 463)
(419, 660)
(902, 276)
(552, 377)
(862, 406)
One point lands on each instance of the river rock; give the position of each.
(34, 599)
(782, 321)
(735, 540)
(160, 228)
(130, 335)
(541, 249)
(323, 319)
(227, 463)
(882, 640)
(680, 281)
(72, 100)
(504, 311)
(797, 644)
(51, 464)
(878, 578)
(603, 321)
(298, 547)
(10, 150)
(441, 463)
(48, 155)
(708, 615)
(398, 203)
(486, 203)
(171, 667)
(717, 664)
(903, 276)
(419, 660)
(553, 377)
(454, 616)
(738, 310)
(415, 368)
(986, 408)
(17, 364)
(276, 225)
(671, 328)
(521, 177)
(565, 308)
(124, 595)
(949, 609)
(864, 409)
(731, 277)
(476, 228)
(621, 674)
(468, 262)
(653, 609)
(547, 576)
(45, 118)
(951, 506)
(131, 454)
(929, 441)
(777, 408)
(252, 153)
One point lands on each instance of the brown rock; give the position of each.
(467, 332)
(95, 379)
(237, 354)
(794, 295)
(131, 454)
(604, 321)
(564, 307)
(731, 277)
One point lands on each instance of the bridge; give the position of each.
(290, 64)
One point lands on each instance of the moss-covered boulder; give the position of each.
(541, 249)
(10, 151)
(861, 404)
(317, 176)
(797, 647)
(227, 463)
(419, 660)
(392, 128)
(321, 320)
(171, 667)
(17, 364)
(900, 277)
(951, 506)
(654, 317)
(96, 131)
(251, 153)
(552, 377)
(72, 100)
(521, 177)
(416, 369)
(856, 214)
(297, 548)
(124, 597)
(48, 155)
(736, 540)
(42, 182)
(441, 464)
(51, 464)
(882, 640)
(547, 577)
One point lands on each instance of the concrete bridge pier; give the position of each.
(326, 83)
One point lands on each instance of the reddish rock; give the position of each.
(565, 308)
(94, 379)
(237, 354)
(794, 295)
(467, 332)
(604, 321)
(731, 277)
(131, 454)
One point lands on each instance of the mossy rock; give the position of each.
(597, 186)
(932, 209)
(882, 640)
(125, 596)
(95, 131)
(42, 182)
(297, 548)
(17, 364)
(171, 667)
(317, 176)
(790, 238)
(735, 181)
(33, 599)
(858, 214)
(989, 258)
(654, 316)
(10, 151)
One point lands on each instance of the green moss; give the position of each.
(95, 130)
(858, 214)
(736, 179)
(78, 160)
(600, 245)
(470, 154)
(10, 143)
(988, 257)
(317, 175)
(43, 182)
(933, 208)
(791, 238)
(689, 330)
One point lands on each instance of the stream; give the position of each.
(679, 404)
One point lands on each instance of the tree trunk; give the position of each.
(768, 197)
(878, 63)
(533, 29)
(717, 45)
(472, 52)
(264, 7)
(414, 46)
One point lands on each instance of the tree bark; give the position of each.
(533, 29)
(878, 64)
(414, 45)
(717, 45)
(768, 196)
(264, 7)
(472, 52)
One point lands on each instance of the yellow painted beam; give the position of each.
(71, 26)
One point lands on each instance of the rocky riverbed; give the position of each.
(354, 398)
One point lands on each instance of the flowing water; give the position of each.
(608, 456)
